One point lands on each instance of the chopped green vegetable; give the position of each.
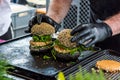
(53, 53)
(73, 50)
(46, 57)
(43, 38)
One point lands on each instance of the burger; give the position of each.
(41, 37)
(64, 49)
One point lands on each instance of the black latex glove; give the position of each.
(90, 33)
(41, 18)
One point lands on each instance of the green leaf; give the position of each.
(73, 50)
(53, 53)
(43, 38)
(46, 57)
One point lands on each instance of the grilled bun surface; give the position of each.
(64, 38)
(64, 49)
(42, 29)
(108, 65)
(41, 37)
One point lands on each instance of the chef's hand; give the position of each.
(91, 33)
(41, 18)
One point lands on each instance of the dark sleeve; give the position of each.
(105, 8)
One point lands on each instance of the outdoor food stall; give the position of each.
(35, 56)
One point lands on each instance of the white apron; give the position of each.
(5, 16)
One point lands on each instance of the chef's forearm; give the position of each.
(114, 23)
(58, 9)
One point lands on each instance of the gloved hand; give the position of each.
(91, 33)
(41, 18)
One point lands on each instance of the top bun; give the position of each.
(42, 29)
(64, 38)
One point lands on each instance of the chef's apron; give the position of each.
(5, 19)
(100, 10)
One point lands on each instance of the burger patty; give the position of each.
(108, 65)
(61, 50)
(32, 43)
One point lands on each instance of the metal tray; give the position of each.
(88, 63)
(29, 66)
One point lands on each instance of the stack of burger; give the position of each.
(64, 49)
(41, 38)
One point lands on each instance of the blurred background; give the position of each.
(22, 11)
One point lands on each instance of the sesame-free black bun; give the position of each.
(40, 50)
(64, 55)
(64, 38)
(42, 29)
(63, 50)
(67, 57)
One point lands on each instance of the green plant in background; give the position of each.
(3, 70)
(61, 76)
(83, 75)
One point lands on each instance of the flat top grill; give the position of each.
(17, 53)
(90, 62)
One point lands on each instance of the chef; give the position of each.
(103, 32)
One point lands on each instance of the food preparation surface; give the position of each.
(17, 53)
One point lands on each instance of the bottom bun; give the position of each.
(40, 50)
(67, 56)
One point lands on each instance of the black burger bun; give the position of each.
(43, 29)
(64, 38)
(65, 50)
(40, 47)
(64, 55)
(40, 50)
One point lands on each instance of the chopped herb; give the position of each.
(53, 53)
(46, 57)
(73, 50)
(43, 38)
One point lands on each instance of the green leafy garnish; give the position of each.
(53, 53)
(73, 50)
(44, 38)
(46, 57)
